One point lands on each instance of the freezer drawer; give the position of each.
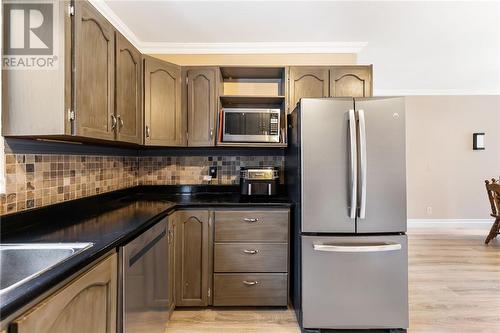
(355, 282)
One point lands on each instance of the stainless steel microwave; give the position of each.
(250, 125)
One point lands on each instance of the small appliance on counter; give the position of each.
(259, 180)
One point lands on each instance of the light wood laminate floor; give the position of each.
(454, 288)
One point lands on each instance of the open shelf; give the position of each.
(253, 87)
(256, 100)
(238, 73)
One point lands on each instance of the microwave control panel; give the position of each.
(274, 126)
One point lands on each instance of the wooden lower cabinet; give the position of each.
(172, 232)
(251, 289)
(193, 273)
(251, 257)
(87, 304)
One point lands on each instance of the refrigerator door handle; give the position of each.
(353, 163)
(362, 163)
(356, 248)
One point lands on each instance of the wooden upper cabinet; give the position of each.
(192, 273)
(202, 106)
(162, 103)
(128, 83)
(307, 82)
(87, 304)
(351, 81)
(94, 76)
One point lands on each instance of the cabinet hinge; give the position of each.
(71, 115)
(71, 10)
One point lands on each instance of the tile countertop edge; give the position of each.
(169, 198)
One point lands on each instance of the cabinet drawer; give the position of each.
(250, 257)
(251, 226)
(250, 289)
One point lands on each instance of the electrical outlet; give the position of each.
(212, 171)
(429, 210)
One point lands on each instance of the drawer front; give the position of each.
(360, 279)
(250, 257)
(267, 289)
(251, 226)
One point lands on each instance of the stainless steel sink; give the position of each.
(21, 262)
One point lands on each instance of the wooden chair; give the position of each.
(493, 189)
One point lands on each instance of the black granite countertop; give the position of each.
(108, 221)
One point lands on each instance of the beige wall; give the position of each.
(259, 59)
(442, 169)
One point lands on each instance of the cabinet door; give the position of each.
(351, 81)
(307, 82)
(128, 104)
(202, 106)
(192, 287)
(172, 232)
(94, 76)
(87, 304)
(162, 103)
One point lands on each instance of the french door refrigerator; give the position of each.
(346, 173)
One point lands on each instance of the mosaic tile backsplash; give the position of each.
(39, 180)
(189, 170)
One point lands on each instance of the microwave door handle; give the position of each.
(362, 163)
(353, 164)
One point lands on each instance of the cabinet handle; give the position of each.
(250, 220)
(211, 133)
(250, 283)
(147, 132)
(120, 120)
(113, 122)
(251, 251)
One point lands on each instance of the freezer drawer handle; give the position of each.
(251, 283)
(251, 251)
(354, 248)
(250, 220)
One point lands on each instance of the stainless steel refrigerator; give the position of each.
(346, 173)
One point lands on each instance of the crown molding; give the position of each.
(252, 47)
(435, 92)
(224, 48)
(119, 25)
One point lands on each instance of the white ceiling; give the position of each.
(417, 47)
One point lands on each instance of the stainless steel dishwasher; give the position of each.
(144, 284)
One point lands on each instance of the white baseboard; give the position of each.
(458, 223)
